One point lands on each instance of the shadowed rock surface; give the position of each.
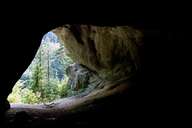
(78, 76)
(107, 60)
(111, 52)
(147, 102)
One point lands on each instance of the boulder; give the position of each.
(78, 76)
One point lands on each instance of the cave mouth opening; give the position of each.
(46, 80)
(106, 58)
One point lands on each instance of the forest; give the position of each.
(45, 79)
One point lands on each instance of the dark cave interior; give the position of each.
(134, 107)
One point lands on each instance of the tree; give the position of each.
(45, 79)
(36, 83)
(61, 62)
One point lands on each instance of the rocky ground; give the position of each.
(65, 109)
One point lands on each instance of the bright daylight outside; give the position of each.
(45, 80)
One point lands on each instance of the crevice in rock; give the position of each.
(76, 31)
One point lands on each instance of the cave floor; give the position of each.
(25, 115)
(71, 111)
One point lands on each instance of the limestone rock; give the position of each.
(111, 52)
(78, 76)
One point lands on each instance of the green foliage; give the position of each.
(36, 79)
(15, 96)
(56, 89)
(45, 79)
(20, 95)
(50, 91)
(63, 88)
(29, 97)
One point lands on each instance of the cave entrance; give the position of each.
(94, 81)
(45, 79)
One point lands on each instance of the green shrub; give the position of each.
(63, 88)
(15, 96)
(29, 97)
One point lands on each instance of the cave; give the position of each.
(46, 80)
(118, 102)
(106, 60)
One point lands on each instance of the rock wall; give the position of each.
(79, 76)
(109, 52)
(105, 57)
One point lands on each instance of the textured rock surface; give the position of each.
(78, 76)
(111, 52)
(105, 57)
(82, 80)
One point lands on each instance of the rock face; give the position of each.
(78, 76)
(109, 52)
(81, 79)
(103, 56)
